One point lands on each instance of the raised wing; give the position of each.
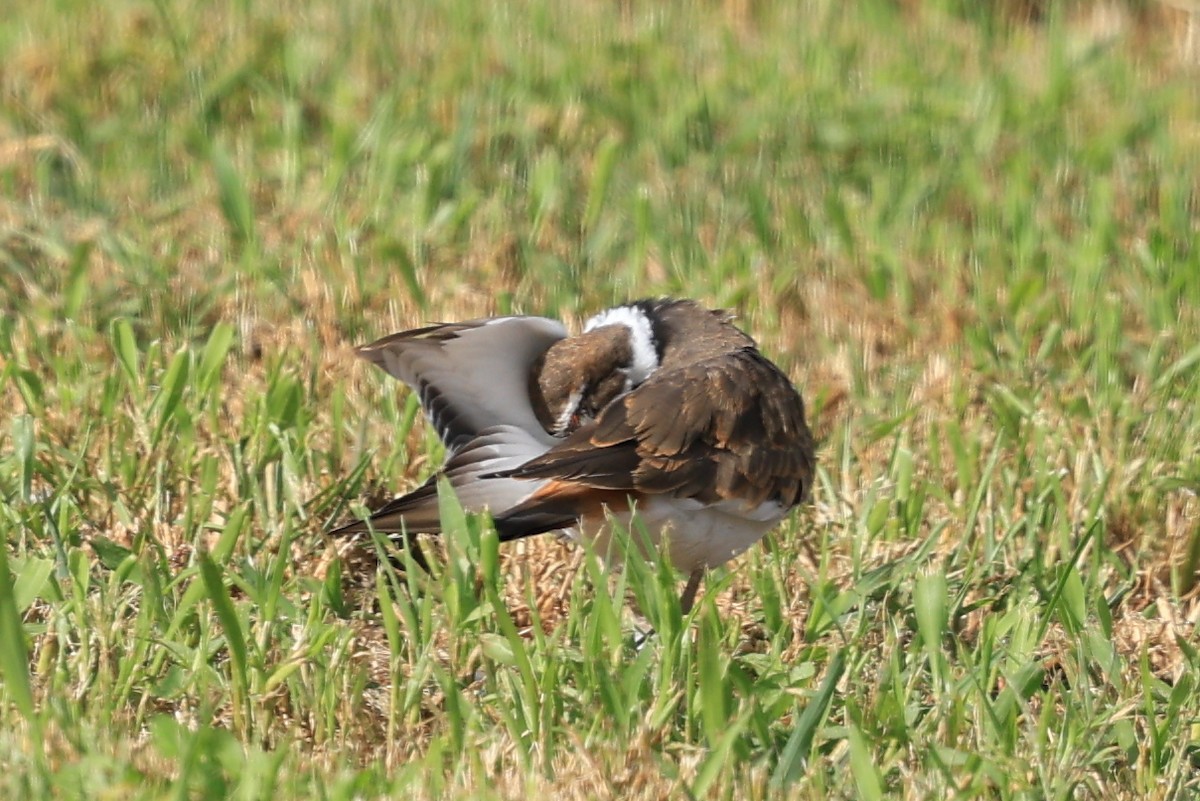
(472, 375)
(728, 428)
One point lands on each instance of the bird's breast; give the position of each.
(695, 535)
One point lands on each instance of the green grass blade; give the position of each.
(712, 688)
(126, 349)
(32, 578)
(23, 452)
(212, 358)
(235, 640)
(14, 654)
(792, 761)
(862, 767)
(170, 392)
(234, 199)
(930, 598)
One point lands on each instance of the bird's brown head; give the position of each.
(578, 376)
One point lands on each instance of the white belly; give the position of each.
(697, 536)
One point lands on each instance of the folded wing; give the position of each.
(726, 429)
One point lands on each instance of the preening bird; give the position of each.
(660, 408)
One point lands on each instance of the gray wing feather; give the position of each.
(470, 375)
(496, 449)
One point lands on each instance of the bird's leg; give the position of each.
(689, 591)
(405, 541)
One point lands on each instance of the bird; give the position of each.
(659, 408)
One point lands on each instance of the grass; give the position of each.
(969, 237)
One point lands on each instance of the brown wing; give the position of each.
(727, 428)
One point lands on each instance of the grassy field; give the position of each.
(971, 239)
